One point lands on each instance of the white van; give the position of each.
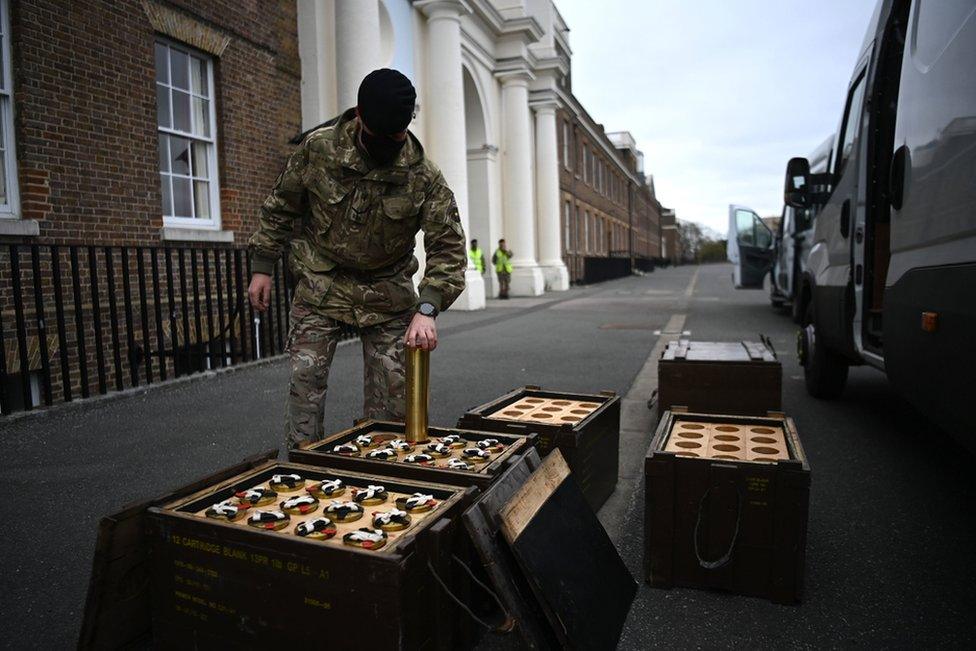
(791, 243)
(892, 267)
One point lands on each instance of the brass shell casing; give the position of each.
(418, 393)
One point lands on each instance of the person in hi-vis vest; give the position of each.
(503, 268)
(477, 257)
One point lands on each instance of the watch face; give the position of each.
(427, 309)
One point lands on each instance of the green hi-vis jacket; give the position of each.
(353, 256)
(477, 259)
(503, 261)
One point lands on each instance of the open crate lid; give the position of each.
(569, 596)
(117, 610)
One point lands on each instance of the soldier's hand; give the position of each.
(259, 291)
(421, 333)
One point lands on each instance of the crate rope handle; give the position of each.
(509, 622)
(727, 556)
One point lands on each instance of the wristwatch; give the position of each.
(428, 309)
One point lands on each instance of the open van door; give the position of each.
(750, 248)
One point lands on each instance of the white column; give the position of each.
(357, 38)
(517, 201)
(444, 105)
(547, 198)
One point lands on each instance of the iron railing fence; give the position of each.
(81, 320)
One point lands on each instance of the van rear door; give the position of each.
(750, 248)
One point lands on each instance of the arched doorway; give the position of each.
(482, 154)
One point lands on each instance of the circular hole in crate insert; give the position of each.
(534, 401)
(689, 435)
(727, 447)
(762, 450)
(688, 444)
(726, 437)
(542, 415)
(571, 419)
(581, 412)
(511, 413)
(762, 439)
(561, 403)
(690, 426)
(763, 430)
(686, 454)
(589, 405)
(551, 409)
(725, 456)
(727, 428)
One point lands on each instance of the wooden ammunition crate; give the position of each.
(320, 453)
(220, 584)
(590, 445)
(731, 524)
(710, 377)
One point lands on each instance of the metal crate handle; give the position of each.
(727, 556)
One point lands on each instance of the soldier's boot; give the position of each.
(311, 345)
(385, 379)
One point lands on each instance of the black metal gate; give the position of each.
(76, 320)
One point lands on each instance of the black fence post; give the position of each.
(41, 324)
(62, 334)
(130, 337)
(21, 326)
(158, 309)
(113, 313)
(97, 319)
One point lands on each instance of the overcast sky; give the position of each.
(719, 94)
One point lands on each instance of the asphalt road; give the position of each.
(892, 531)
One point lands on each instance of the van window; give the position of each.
(751, 231)
(855, 101)
(936, 23)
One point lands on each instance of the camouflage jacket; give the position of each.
(356, 228)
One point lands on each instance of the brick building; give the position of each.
(608, 205)
(148, 132)
(670, 242)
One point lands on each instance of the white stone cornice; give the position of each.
(542, 100)
(443, 8)
(516, 69)
(526, 27)
(552, 65)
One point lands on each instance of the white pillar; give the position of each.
(547, 198)
(357, 38)
(517, 201)
(444, 105)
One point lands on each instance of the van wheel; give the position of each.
(824, 370)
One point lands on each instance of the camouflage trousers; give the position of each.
(311, 345)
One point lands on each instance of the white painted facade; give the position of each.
(487, 74)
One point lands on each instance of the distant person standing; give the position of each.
(477, 257)
(502, 259)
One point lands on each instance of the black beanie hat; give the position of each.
(386, 101)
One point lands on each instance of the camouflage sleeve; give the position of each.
(288, 201)
(447, 258)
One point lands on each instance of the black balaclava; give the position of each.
(386, 104)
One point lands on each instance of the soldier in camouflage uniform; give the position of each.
(358, 189)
